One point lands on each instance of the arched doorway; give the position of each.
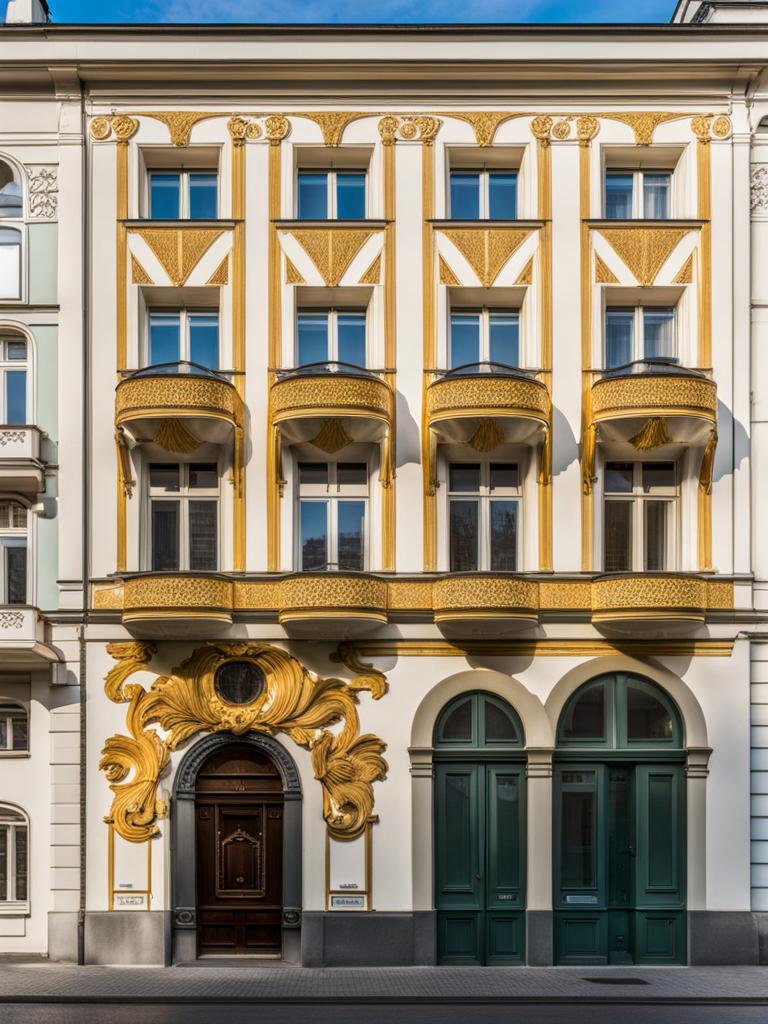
(479, 815)
(619, 825)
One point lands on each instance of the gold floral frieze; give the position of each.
(655, 394)
(293, 702)
(487, 395)
(175, 395)
(331, 394)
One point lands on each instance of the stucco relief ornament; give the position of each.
(43, 192)
(293, 701)
(758, 199)
(541, 126)
(586, 128)
(561, 129)
(277, 128)
(123, 126)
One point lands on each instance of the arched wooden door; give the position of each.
(239, 854)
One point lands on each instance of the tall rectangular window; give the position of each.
(483, 195)
(184, 335)
(632, 195)
(13, 553)
(483, 336)
(333, 513)
(183, 195)
(484, 501)
(10, 263)
(640, 516)
(13, 380)
(14, 860)
(331, 335)
(331, 195)
(637, 333)
(184, 516)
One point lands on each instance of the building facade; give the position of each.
(383, 447)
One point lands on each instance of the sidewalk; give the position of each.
(45, 982)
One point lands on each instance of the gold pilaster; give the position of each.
(541, 127)
(386, 469)
(121, 285)
(429, 351)
(238, 346)
(701, 127)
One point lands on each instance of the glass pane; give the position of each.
(16, 396)
(351, 519)
(659, 333)
(585, 717)
(458, 725)
(239, 682)
(313, 473)
(351, 327)
(164, 338)
(203, 516)
(504, 474)
(464, 476)
(619, 333)
(352, 473)
(165, 536)
(164, 476)
(465, 195)
(577, 857)
(21, 863)
(3, 862)
(10, 263)
(4, 733)
(164, 196)
(350, 196)
(618, 196)
(11, 200)
(314, 534)
(464, 535)
(20, 732)
(458, 866)
(203, 203)
(312, 338)
(618, 477)
(504, 330)
(465, 339)
(647, 718)
(203, 474)
(506, 796)
(504, 536)
(16, 562)
(656, 196)
(617, 545)
(498, 724)
(204, 339)
(16, 350)
(655, 534)
(313, 197)
(658, 474)
(502, 195)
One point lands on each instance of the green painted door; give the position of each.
(479, 862)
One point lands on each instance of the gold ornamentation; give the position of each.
(541, 126)
(542, 648)
(220, 276)
(331, 437)
(173, 436)
(487, 250)
(179, 122)
(643, 123)
(305, 594)
(373, 273)
(586, 128)
(388, 129)
(236, 126)
(721, 127)
(410, 128)
(178, 250)
(332, 250)
(499, 396)
(622, 594)
(685, 273)
(253, 594)
(603, 273)
(277, 128)
(486, 594)
(654, 434)
(708, 464)
(719, 596)
(253, 130)
(124, 473)
(333, 123)
(447, 276)
(294, 702)
(292, 275)
(366, 676)
(700, 126)
(180, 593)
(561, 596)
(644, 250)
(100, 128)
(145, 397)
(526, 274)
(357, 396)
(108, 598)
(409, 596)
(484, 122)
(668, 394)
(561, 129)
(138, 273)
(487, 436)
(123, 127)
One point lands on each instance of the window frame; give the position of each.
(333, 313)
(17, 175)
(19, 228)
(485, 313)
(484, 190)
(484, 499)
(638, 191)
(331, 194)
(10, 365)
(7, 704)
(319, 493)
(182, 497)
(184, 191)
(638, 499)
(12, 907)
(184, 313)
(12, 531)
(638, 333)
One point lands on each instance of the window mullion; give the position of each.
(11, 869)
(332, 520)
(331, 180)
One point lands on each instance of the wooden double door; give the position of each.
(239, 854)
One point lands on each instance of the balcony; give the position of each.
(22, 638)
(649, 604)
(654, 402)
(178, 406)
(331, 405)
(487, 404)
(189, 604)
(484, 604)
(353, 602)
(20, 467)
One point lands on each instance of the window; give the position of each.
(14, 860)
(483, 195)
(486, 335)
(13, 380)
(640, 516)
(637, 194)
(642, 332)
(483, 516)
(13, 552)
(331, 195)
(619, 711)
(10, 263)
(14, 730)
(333, 513)
(11, 192)
(184, 514)
(183, 195)
(331, 335)
(184, 335)
(478, 720)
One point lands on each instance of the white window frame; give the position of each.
(183, 314)
(183, 496)
(333, 493)
(7, 708)
(671, 496)
(485, 313)
(15, 531)
(15, 364)
(19, 228)
(484, 187)
(332, 312)
(12, 907)
(485, 497)
(638, 330)
(184, 174)
(638, 191)
(330, 185)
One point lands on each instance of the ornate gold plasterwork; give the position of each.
(145, 397)
(173, 436)
(566, 595)
(292, 275)
(409, 596)
(487, 250)
(719, 596)
(644, 250)
(704, 126)
(685, 273)
(123, 126)
(220, 276)
(670, 395)
(537, 648)
(242, 129)
(294, 702)
(541, 126)
(138, 273)
(409, 128)
(307, 595)
(561, 129)
(333, 122)
(621, 594)
(447, 276)
(178, 250)
(373, 273)
(604, 274)
(642, 122)
(179, 122)
(488, 394)
(276, 127)
(177, 593)
(587, 128)
(356, 396)
(332, 249)
(485, 594)
(708, 464)
(486, 437)
(484, 123)
(653, 434)
(108, 598)
(526, 274)
(331, 437)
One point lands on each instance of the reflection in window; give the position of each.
(637, 194)
(637, 333)
(647, 718)
(640, 508)
(184, 335)
(487, 335)
(577, 856)
(333, 512)
(13, 552)
(483, 516)
(10, 263)
(14, 726)
(13, 380)
(483, 195)
(183, 195)
(331, 195)
(11, 193)
(330, 335)
(478, 720)
(184, 510)
(14, 857)
(585, 717)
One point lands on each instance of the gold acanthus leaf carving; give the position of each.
(138, 273)
(642, 122)
(220, 276)
(331, 437)
(332, 249)
(685, 273)
(484, 122)
(644, 250)
(486, 437)
(487, 250)
(604, 274)
(173, 436)
(653, 434)
(373, 273)
(179, 250)
(294, 702)
(333, 122)
(179, 122)
(292, 275)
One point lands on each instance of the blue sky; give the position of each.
(354, 11)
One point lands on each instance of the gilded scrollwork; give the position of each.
(507, 395)
(123, 127)
(408, 128)
(168, 393)
(485, 593)
(646, 592)
(294, 702)
(276, 128)
(361, 396)
(668, 394)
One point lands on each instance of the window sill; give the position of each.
(148, 222)
(6, 754)
(294, 222)
(15, 910)
(643, 222)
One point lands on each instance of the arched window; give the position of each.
(13, 552)
(14, 860)
(619, 711)
(477, 721)
(14, 377)
(14, 726)
(11, 192)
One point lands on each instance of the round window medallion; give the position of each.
(239, 682)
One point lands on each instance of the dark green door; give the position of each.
(479, 846)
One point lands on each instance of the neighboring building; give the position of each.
(382, 463)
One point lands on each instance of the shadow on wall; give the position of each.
(565, 448)
(733, 440)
